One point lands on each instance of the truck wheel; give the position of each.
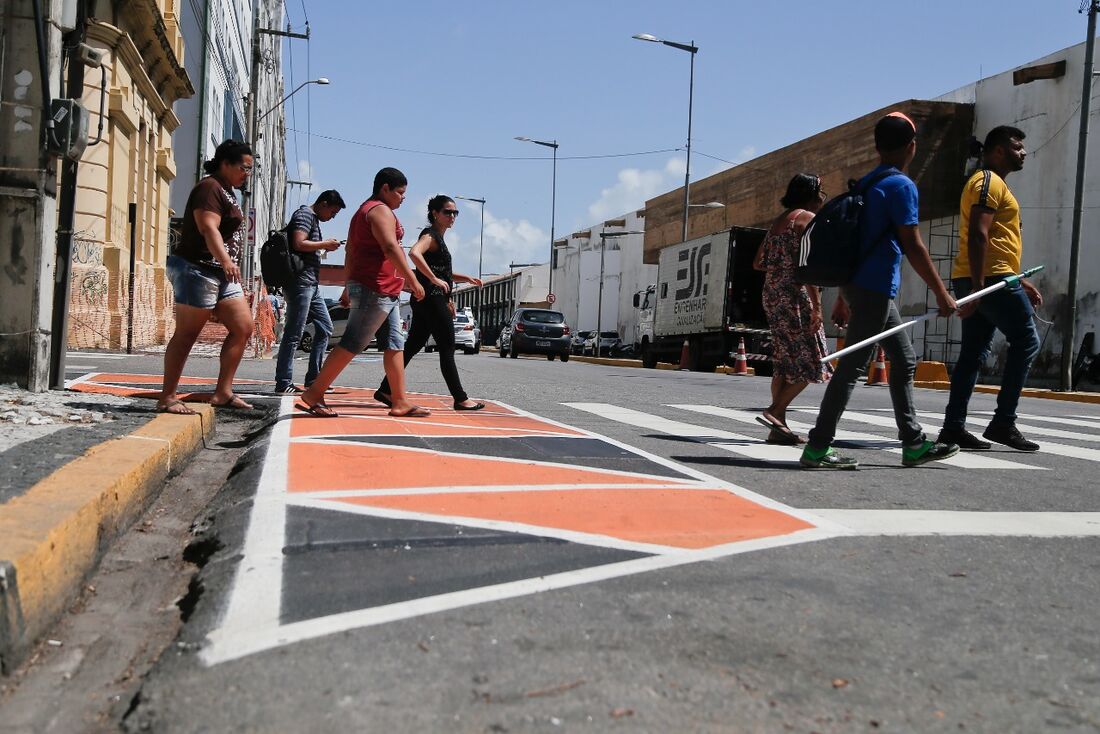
(514, 353)
(649, 356)
(564, 356)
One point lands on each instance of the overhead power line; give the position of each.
(485, 157)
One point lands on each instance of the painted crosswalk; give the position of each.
(717, 433)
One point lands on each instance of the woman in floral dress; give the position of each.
(793, 309)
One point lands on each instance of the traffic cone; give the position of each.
(685, 356)
(876, 375)
(740, 361)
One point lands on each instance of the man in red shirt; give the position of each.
(377, 271)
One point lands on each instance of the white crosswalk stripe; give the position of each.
(1080, 421)
(1029, 430)
(868, 440)
(747, 446)
(1045, 447)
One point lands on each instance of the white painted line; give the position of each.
(936, 522)
(256, 594)
(475, 457)
(336, 494)
(868, 440)
(86, 377)
(95, 355)
(1080, 421)
(1029, 430)
(505, 526)
(258, 639)
(1045, 447)
(75, 367)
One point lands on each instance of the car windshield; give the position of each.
(543, 317)
(461, 319)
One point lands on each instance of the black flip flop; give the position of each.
(317, 410)
(778, 428)
(475, 406)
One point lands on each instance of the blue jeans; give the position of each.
(1008, 310)
(303, 299)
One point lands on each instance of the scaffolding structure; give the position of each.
(942, 337)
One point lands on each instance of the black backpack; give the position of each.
(831, 250)
(279, 264)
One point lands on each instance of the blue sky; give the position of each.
(465, 78)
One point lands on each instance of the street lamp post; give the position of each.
(254, 120)
(480, 251)
(692, 49)
(599, 301)
(553, 201)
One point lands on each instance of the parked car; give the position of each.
(536, 331)
(339, 316)
(609, 342)
(577, 345)
(467, 335)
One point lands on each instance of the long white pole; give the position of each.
(931, 314)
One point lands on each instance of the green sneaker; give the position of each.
(826, 458)
(926, 452)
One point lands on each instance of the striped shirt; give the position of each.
(305, 220)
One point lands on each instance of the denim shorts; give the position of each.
(369, 311)
(197, 286)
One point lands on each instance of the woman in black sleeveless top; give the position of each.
(434, 314)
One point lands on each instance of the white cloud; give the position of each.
(633, 187)
(506, 241)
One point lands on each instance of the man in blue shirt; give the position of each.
(303, 296)
(889, 227)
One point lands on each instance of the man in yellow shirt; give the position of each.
(990, 249)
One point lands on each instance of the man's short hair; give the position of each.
(331, 197)
(1001, 135)
(894, 132)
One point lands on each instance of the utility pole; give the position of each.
(1069, 333)
(253, 114)
(30, 54)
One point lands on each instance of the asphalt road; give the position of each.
(964, 605)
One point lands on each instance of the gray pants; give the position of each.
(871, 313)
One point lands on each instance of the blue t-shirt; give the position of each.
(306, 220)
(889, 204)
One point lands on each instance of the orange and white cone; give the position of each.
(876, 375)
(740, 361)
(685, 355)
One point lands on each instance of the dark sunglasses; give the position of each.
(449, 212)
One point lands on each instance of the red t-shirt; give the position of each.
(365, 263)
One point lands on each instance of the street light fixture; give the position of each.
(320, 80)
(692, 49)
(481, 249)
(599, 302)
(708, 205)
(553, 201)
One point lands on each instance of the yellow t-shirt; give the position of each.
(1003, 252)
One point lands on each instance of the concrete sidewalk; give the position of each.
(53, 534)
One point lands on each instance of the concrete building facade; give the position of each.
(122, 202)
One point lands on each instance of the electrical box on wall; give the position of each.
(70, 128)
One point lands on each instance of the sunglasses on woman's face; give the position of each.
(449, 212)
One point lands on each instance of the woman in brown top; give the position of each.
(206, 279)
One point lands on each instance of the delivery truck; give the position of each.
(706, 300)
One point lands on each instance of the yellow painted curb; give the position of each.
(52, 536)
(1028, 392)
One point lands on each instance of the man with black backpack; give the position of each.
(303, 290)
(888, 227)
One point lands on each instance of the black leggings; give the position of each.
(432, 317)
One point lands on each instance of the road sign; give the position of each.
(550, 298)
